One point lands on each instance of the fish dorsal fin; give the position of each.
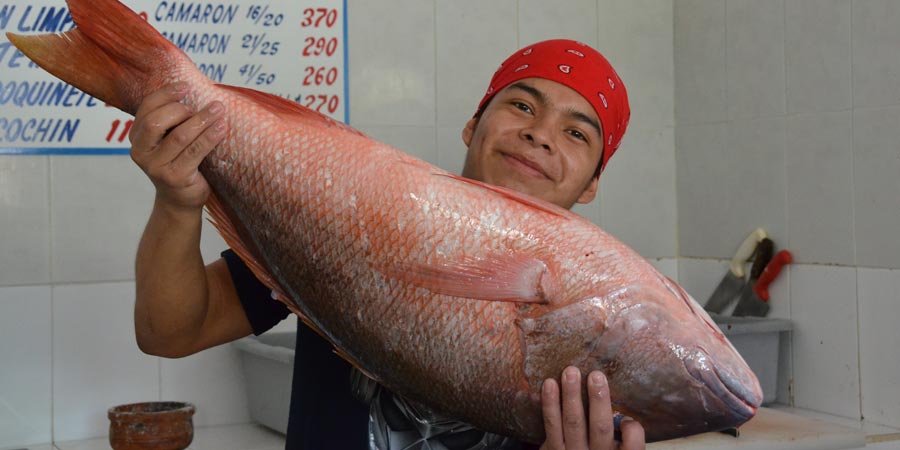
(497, 277)
(288, 110)
(517, 196)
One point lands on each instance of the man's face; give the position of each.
(538, 137)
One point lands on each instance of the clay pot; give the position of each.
(151, 426)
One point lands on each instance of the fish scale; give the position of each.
(450, 292)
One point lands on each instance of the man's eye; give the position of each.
(522, 106)
(578, 135)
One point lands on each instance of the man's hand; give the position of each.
(564, 421)
(168, 142)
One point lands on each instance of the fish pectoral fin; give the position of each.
(497, 277)
(517, 196)
(550, 346)
(288, 110)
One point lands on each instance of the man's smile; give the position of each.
(525, 165)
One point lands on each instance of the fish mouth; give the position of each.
(742, 400)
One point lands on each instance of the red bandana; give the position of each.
(579, 67)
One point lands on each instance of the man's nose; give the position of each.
(539, 134)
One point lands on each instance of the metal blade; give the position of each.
(750, 305)
(725, 293)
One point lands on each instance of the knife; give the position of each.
(771, 271)
(750, 304)
(733, 281)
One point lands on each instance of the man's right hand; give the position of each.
(181, 305)
(169, 140)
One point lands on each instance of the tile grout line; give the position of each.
(725, 62)
(853, 223)
(791, 389)
(52, 298)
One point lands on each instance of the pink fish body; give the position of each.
(450, 292)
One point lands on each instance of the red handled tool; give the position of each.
(771, 271)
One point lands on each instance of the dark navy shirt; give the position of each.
(324, 413)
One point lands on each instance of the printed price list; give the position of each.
(295, 50)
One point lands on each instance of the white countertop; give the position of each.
(225, 437)
(773, 429)
(778, 428)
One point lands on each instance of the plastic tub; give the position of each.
(268, 363)
(757, 339)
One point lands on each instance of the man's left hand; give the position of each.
(566, 426)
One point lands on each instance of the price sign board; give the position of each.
(295, 49)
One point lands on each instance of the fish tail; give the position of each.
(112, 54)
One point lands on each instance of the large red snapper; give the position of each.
(448, 291)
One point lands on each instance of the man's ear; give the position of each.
(469, 131)
(590, 191)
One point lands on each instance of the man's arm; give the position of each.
(181, 305)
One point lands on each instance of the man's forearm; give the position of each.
(172, 289)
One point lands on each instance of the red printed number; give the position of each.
(317, 102)
(318, 75)
(314, 16)
(317, 46)
(114, 127)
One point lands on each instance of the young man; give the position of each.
(552, 117)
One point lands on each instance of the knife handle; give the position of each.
(764, 252)
(771, 271)
(745, 251)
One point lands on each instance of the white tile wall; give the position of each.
(699, 61)
(730, 181)
(636, 38)
(212, 380)
(96, 362)
(838, 97)
(703, 207)
(638, 198)
(472, 38)
(876, 186)
(567, 19)
(666, 266)
(826, 339)
(416, 141)
(451, 148)
(817, 55)
(211, 243)
(699, 277)
(25, 220)
(392, 79)
(99, 207)
(879, 344)
(754, 58)
(875, 38)
(819, 168)
(25, 408)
